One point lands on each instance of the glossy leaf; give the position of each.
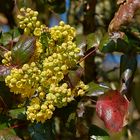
(23, 50)
(107, 45)
(15, 34)
(18, 113)
(112, 108)
(93, 39)
(4, 71)
(128, 62)
(96, 89)
(5, 38)
(115, 43)
(41, 131)
(96, 133)
(128, 65)
(5, 131)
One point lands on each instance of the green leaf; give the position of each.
(44, 40)
(15, 34)
(42, 131)
(96, 89)
(6, 132)
(81, 43)
(97, 133)
(93, 39)
(23, 50)
(122, 46)
(18, 113)
(6, 38)
(128, 62)
(128, 65)
(107, 44)
(115, 43)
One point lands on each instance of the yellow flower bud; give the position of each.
(36, 106)
(50, 58)
(22, 9)
(27, 31)
(44, 107)
(25, 67)
(31, 13)
(51, 107)
(35, 13)
(81, 92)
(26, 20)
(64, 100)
(13, 80)
(42, 95)
(65, 33)
(61, 23)
(28, 9)
(71, 53)
(64, 67)
(4, 61)
(37, 32)
(56, 69)
(29, 25)
(33, 64)
(19, 84)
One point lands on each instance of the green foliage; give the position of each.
(31, 63)
(18, 113)
(23, 50)
(42, 131)
(97, 133)
(96, 89)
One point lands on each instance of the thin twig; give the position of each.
(3, 48)
(88, 54)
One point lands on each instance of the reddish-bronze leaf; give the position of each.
(112, 108)
(124, 14)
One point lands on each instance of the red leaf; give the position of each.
(112, 108)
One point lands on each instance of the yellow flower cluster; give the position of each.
(42, 80)
(7, 58)
(39, 111)
(62, 31)
(28, 21)
(24, 81)
(58, 96)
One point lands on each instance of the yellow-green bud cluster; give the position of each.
(7, 58)
(28, 21)
(24, 81)
(39, 111)
(80, 89)
(42, 79)
(38, 50)
(62, 31)
(59, 95)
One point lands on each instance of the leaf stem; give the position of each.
(1, 47)
(88, 54)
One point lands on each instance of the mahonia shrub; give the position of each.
(41, 79)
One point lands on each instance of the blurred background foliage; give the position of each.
(91, 19)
